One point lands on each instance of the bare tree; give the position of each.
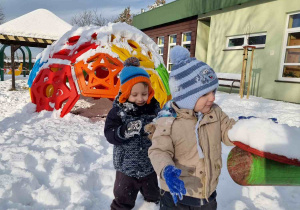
(157, 3)
(248, 31)
(90, 17)
(2, 16)
(99, 20)
(125, 16)
(83, 19)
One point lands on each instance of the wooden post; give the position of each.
(248, 169)
(1, 74)
(250, 72)
(12, 58)
(13, 48)
(243, 75)
(244, 53)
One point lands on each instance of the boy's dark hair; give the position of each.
(145, 84)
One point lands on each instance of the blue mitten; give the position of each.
(244, 117)
(273, 119)
(176, 186)
(249, 117)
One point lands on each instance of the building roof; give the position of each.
(181, 9)
(39, 28)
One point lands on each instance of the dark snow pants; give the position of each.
(167, 203)
(126, 189)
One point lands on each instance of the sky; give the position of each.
(66, 9)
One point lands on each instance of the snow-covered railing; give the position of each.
(229, 80)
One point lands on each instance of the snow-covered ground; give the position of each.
(48, 162)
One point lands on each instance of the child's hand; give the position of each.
(133, 128)
(149, 129)
(176, 186)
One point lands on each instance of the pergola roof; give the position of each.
(38, 28)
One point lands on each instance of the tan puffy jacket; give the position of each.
(174, 143)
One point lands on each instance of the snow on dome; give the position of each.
(39, 23)
(121, 33)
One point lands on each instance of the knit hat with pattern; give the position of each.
(130, 75)
(189, 78)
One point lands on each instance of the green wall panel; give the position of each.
(181, 9)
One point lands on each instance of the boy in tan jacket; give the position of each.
(186, 145)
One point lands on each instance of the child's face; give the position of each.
(139, 94)
(205, 102)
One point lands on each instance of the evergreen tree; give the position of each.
(125, 16)
(157, 3)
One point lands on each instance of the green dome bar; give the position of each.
(248, 169)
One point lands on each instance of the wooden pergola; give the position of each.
(15, 42)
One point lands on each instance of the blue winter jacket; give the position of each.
(130, 155)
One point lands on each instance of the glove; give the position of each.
(249, 117)
(176, 186)
(133, 128)
(244, 117)
(273, 119)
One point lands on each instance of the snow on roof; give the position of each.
(39, 23)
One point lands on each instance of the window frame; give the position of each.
(169, 47)
(285, 47)
(186, 42)
(161, 45)
(245, 36)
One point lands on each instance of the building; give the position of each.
(215, 31)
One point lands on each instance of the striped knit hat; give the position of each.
(132, 74)
(189, 78)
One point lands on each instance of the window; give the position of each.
(290, 63)
(186, 40)
(161, 43)
(237, 42)
(172, 43)
(257, 40)
(173, 39)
